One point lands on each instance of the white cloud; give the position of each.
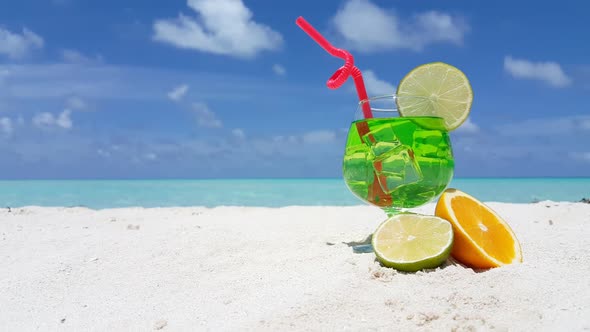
(581, 156)
(73, 56)
(3, 75)
(76, 103)
(151, 156)
(48, 120)
(291, 139)
(221, 27)
(206, 117)
(533, 146)
(279, 70)
(468, 127)
(15, 45)
(178, 92)
(103, 153)
(548, 72)
(44, 119)
(60, 81)
(376, 86)
(319, 137)
(239, 133)
(548, 127)
(6, 127)
(367, 27)
(63, 119)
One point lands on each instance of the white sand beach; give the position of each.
(269, 269)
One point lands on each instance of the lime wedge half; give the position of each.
(412, 242)
(436, 89)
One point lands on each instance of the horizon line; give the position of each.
(283, 178)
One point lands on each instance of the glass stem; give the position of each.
(391, 211)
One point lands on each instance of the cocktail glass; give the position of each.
(396, 162)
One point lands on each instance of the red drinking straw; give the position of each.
(341, 75)
(375, 194)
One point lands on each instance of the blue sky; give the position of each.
(230, 88)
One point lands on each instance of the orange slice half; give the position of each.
(482, 238)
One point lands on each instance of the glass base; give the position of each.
(362, 248)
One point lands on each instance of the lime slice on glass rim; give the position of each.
(412, 242)
(436, 89)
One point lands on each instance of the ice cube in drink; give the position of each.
(381, 141)
(428, 142)
(397, 167)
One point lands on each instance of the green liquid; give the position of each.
(401, 162)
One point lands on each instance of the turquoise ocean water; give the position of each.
(100, 194)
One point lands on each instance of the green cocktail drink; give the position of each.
(399, 162)
(405, 161)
